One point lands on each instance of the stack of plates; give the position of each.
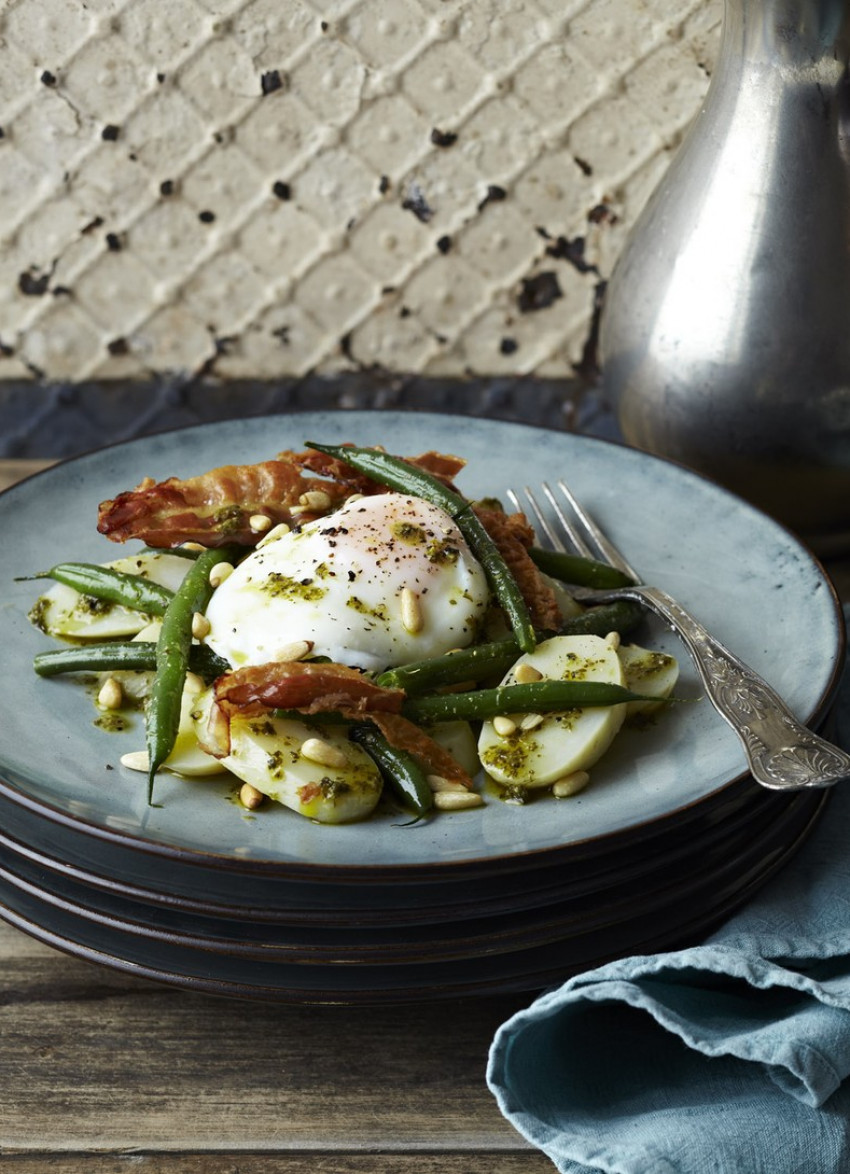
(670, 837)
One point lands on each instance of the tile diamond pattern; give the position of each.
(256, 190)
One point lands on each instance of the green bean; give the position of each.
(500, 577)
(172, 657)
(621, 616)
(534, 697)
(398, 474)
(582, 572)
(495, 658)
(398, 767)
(464, 664)
(395, 473)
(128, 655)
(133, 591)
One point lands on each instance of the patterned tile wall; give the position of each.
(294, 193)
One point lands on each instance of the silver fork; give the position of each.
(782, 753)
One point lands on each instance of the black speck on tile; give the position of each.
(564, 249)
(160, 77)
(166, 188)
(444, 244)
(494, 194)
(324, 26)
(113, 242)
(583, 165)
(118, 346)
(282, 190)
(6, 351)
(384, 184)
(270, 81)
(405, 312)
(416, 203)
(33, 284)
(206, 217)
(602, 214)
(110, 133)
(539, 292)
(443, 138)
(48, 78)
(508, 346)
(62, 291)
(2, 133)
(91, 226)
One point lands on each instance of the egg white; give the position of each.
(339, 582)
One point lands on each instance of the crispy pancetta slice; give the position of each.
(513, 535)
(312, 689)
(406, 735)
(214, 508)
(307, 686)
(440, 465)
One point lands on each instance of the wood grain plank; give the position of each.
(95, 1060)
(531, 1162)
(14, 470)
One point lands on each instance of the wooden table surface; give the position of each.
(103, 1073)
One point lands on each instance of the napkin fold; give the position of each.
(730, 1057)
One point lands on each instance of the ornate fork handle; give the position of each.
(782, 753)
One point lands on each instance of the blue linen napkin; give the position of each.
(726, 1058)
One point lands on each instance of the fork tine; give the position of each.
(552, 534)
(573, 533)
(606, 548)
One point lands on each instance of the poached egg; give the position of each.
(385, 580)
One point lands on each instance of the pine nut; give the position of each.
(525, 673)
(570, 784)
(315, 499)
(276, 532)
(411, 611)
(250, 797)
(455, 801)
(613, 640)
(219, 573)
(352, 497)
(531, 721)
(111, 695)
(440, 785)
(504, 726)
(136, 760)
(297, 650)
(260, 523)
(192, 546)
(200, 626)
(323, 753)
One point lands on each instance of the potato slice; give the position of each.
(652, 673)
(543, 749)
(186, 757)
(458, 739)
(61, 611)
(269, 753)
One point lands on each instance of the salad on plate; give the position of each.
(340, 624)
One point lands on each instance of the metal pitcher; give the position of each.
(725, 338)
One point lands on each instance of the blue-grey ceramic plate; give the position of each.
(743, 575)
(544, 955)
